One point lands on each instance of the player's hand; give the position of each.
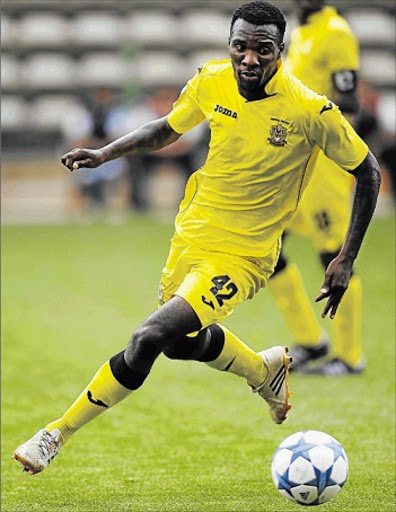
(337, 277)
(83, 158)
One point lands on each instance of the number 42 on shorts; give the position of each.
(221, 283)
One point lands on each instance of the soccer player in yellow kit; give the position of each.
(266, 128)
(324, 55)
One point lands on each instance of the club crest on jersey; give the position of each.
(278, 132)
(226, 111)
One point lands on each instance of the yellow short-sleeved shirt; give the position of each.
(260, 157)
(321, 47)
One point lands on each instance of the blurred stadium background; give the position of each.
(82, 72)
(130, 59)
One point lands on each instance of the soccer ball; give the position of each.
(309, 467)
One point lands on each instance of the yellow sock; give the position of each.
(238, 358)
(292, 301)
(347, 325)
(102, 392)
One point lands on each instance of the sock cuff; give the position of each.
(127, 377)
(216, 344)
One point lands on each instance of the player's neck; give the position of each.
(259, 94)
(304, 14)
(253, 96)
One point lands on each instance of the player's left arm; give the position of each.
(343, 57)
(338, 273)
(345, 84)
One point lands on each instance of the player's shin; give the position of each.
(347, 325)
(102, 392)
(236, 357)
(289, 293)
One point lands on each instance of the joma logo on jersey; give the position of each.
(278, 132)
(226, 111)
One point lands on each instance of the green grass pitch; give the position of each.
(192, 439)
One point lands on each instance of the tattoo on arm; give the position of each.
(368, 180)
(149, 137)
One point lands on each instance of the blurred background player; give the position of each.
(89, 126)
(324, 55)
(185, 154)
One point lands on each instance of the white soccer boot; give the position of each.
(37, 453)
(275, 388)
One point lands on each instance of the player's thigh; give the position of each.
(215, 286)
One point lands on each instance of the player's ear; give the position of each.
(281, 47)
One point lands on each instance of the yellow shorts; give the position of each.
(213, 283)
(325, 208)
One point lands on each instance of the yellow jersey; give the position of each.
(323, 46)
(260, 157)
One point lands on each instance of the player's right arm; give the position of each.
(149, 137)
(152, 136)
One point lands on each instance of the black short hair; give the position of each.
(260, 13)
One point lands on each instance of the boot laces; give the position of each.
(47, 444)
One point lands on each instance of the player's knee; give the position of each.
(172, 352)
(187, 347)
(154, 333)
(146, 342)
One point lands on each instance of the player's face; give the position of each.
(255, 51)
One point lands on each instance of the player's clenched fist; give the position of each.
(83, 158)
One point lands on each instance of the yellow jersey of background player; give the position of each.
(324, 55)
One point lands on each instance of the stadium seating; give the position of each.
(103, 68)
(151, 27)
(378, 67)
(7, 31)
(49, 71)
(205, 26)
(161, 68)
(291, 24)
(42, 30)
(10, 72)
(53, 46)
(372, 26)
(13, 112)
(96, 28)
(48, 111)
(387, 112)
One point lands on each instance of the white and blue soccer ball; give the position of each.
(309, 467)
